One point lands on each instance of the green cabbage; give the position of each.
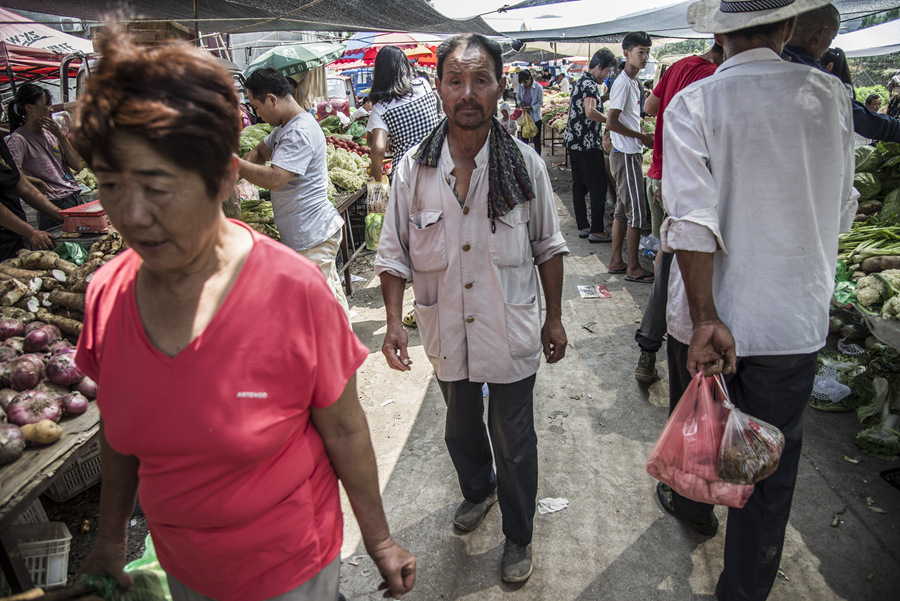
(868, 185)
(374, 222)
(867, 159)
(890, 211)
(252, 136)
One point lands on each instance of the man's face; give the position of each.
(600, 73)
(638, 56)
(265, 108)
(469, 89)
(875, 105)
(368, 105)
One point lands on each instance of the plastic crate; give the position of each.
(45, 551)
(35, 514)
(80, 476)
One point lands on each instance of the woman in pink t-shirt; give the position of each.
(226, 369)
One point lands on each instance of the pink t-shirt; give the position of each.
(235, 482)
(39, 155)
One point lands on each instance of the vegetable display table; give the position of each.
(23, 480)
(345, 202)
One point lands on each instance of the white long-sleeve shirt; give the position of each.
(478, 299)
(759, 170)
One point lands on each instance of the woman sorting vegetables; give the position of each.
(226, 367)
(404, 108)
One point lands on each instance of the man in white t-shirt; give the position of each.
(563, 82)
(628, 139)
(297, 175)
(363, 111)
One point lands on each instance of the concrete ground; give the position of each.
(596, 427)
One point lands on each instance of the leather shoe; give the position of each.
(516, 565)
(470, 515)
(664, 494)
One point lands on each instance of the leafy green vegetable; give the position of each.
(357, 131)
(374, 223)
(252, 136)
(879, 441)
(890, 211)
(868, 185)
(867, 159)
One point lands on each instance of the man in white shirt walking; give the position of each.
(628, 139)
(740, 222)
(471, 223)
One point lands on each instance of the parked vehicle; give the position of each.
(341, 98)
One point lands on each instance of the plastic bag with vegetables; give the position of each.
(685, 455)
(751, 448)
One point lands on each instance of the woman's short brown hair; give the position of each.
(175, 97)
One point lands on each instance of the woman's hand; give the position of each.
(108, 559)
(398, 568)
(52, 126)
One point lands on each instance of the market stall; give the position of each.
(48, 443)
(863, 374)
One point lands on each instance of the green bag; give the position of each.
(150, 583)
(72, 252)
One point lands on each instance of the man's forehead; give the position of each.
(468, 58)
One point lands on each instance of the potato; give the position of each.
(42, 433)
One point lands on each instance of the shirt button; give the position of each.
(465, 210)
(469, 285)
(470, 319)
(466, 247)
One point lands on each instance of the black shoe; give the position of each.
(470, 515)
(341, 597)
(516, 565)
(664, 494)
(646, 368)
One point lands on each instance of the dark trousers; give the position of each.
(45, 222)
(9, 248)
(512, 435)
(653, 322)
(588, 177)
(774, 389)
(536, 140)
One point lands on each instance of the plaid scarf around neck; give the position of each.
(508, 181)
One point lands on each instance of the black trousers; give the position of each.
(588, 177)
(774, 389)
(514, 441)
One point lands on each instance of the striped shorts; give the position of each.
(631, 196)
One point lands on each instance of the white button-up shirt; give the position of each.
(477, 294)
(759, 170)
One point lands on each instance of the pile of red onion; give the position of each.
(38, 376)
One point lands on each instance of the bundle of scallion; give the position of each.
(867, 240)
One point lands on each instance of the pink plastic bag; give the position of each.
(686, 454)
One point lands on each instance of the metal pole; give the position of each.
(197, 25)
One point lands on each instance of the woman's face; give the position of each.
(162, 210)
(40, 109)
(525, 80)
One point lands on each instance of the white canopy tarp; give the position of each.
(872, 41)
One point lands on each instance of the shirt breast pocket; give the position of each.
(510, 243)
(427, 248)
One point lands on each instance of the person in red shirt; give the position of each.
(681, 74)
(225, 366)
